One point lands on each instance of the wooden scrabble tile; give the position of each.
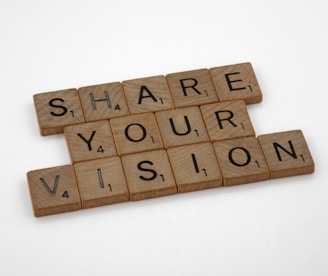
(181, 126)
(103, 101)
(149, 175)
(57, 109)
(147, 94)
(90, 141)
(53, 190)
(101, 182)
(195, 167)
(241, 161)
(286, 153)
(227, 120)
(192, 88)
(236, 82)
(136, 133)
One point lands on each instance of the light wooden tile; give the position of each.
(149, 175)
(57, 109)
(191, 88)
(181, 126)
(136, 133)
(227, 120)
(236, 82)
(195, 167)
(101, 182)
(90, 141)
(103, 101)
(241, 161)
(53, 190)
(147, 94)
(287, 153)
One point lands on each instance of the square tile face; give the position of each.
(287, 153)
(136, 133)
(241, 161)
(192, 88)
(236, 82)
(57, 109)
(103, 101)
(195, 167)
(147, 94)
(227, 120)
(101, 182)
(53, 190)
(90, 141)
(181, 126)
(149, 175)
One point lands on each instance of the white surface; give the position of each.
(277, 227)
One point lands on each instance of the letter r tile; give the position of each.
(53, 190)
(286, 153)
(236, 82)
(57, 109)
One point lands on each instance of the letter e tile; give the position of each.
(91, 140)
(195, 167)
(241, 161)
(148, 175)
(53, 190)
(101, 182)
(287, 153)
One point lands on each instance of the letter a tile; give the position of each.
(241, 161)
(101, 182)
(287, 153)
(53, 190)
(149, 175)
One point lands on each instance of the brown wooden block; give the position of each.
(57, 109)
(136, 133)
(147, 94)
(195, 167)
(241, 161)
(101, 182)
(227, 120)
(181, 126)
(103, 101)
(149, 175)
(53, 190)
(286, 153)
(90, 141)
(192, 88)
(236, 82)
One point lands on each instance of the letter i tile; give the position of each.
(101, 182)
(149, 174)
(241, 161)
(195, 167)
(287, 153)
(53, 190)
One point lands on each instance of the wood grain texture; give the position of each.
(192, 88)
(241, 161)
(149, 175)
(236, 82)
(103, 101)
(286, 153)
(227, 120)
(90, 141)
(53, 190)
(101, 182)
(195, 167)
(181, 126)
(57, 109)
(147, 94)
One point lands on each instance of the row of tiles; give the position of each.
(163, 172)
(57, 109)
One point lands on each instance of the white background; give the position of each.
(276, 227)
